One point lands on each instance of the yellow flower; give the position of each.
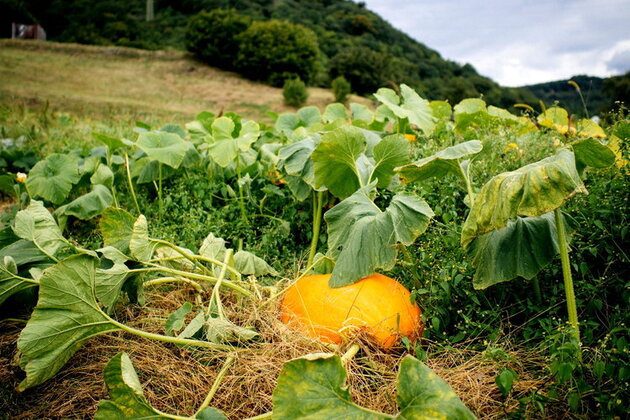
(410, 137)
(510, 147)
(20, 177)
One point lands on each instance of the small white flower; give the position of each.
(20, 177)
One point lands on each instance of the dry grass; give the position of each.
(176, 380)
(96, 80)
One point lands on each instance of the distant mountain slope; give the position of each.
(565, 94)
(342, 27)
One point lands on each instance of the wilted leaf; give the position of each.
(213, 247)
(175, 321)
(109, 282)
(249, 264)
(52, 178)
(224, 331)
(362, 238)
(36, 224)
(555, 118)
(532, 190)
(140, 246)
(18, 253)
(521, 249)
(444, 162)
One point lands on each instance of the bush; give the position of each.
(341, 89)
(213, 36)
(294, 92)
(365, 69)
(274, 51)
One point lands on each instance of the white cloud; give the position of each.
(519, 42)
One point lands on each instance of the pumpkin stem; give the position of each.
(350, 353)
(566, 273)
(318, 203)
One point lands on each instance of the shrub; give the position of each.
(213, 36)
(272, 50)
(365, 69)
(294, 92)
(341, 89)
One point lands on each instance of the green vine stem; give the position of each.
(215, 298)
(194, 276)
(318, 203)
(537, 293)
(215, 385)
(566, 273)
(165, 280)
(169, 339)
(133, 193)
(160, 204)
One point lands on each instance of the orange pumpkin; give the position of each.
(377, 304)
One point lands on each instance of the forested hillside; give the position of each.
(353, 41)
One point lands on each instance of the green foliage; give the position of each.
(341, 89)
(365, 69)
(314, 386)
(213, 36)
(275, 51)
(294, 92)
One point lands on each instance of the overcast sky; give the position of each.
(520, 42)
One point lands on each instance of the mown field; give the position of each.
(156, 211)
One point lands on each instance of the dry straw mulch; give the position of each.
(176, 380)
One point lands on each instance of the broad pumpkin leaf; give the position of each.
(589, 128)
(213, 247)
(555, 118)
(116, 226)
(53, 177)
(441, 109)
(127, 398)
(103, 175)
(112, 143)
(532, 190)
(91, 204)
(296, 161)
(37, 225)
(442, 163)
(361, 112)
(225, 149)
(389, 153)
(335, 161)
(334, 112)
(410, 105)
(470, 111)
(109, 283)
(67, 314)
(521, 249)
(591, 152)
(166, 148)
(424, 395)
(362, 238)
(314, 387)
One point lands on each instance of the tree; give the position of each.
(275, 51)
(213, 36)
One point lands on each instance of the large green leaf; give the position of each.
(37, 225)
(127, 398)
(389, 153)
(296, 161)
(314, 387)
(591, 152)
(362, 238)
(424, 395)
(103, 175)
(335, 159)
(410, 105)
(53, 178)
(556, 118)
(116, 226)
(91, 204)
(444, 162)
(225, 148)
(166, 148)
(112, 143)
(532, 190)
(109, 282)
(522, 248)
(66, 315)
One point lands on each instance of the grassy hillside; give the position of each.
(345, 31)
(91, 80)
